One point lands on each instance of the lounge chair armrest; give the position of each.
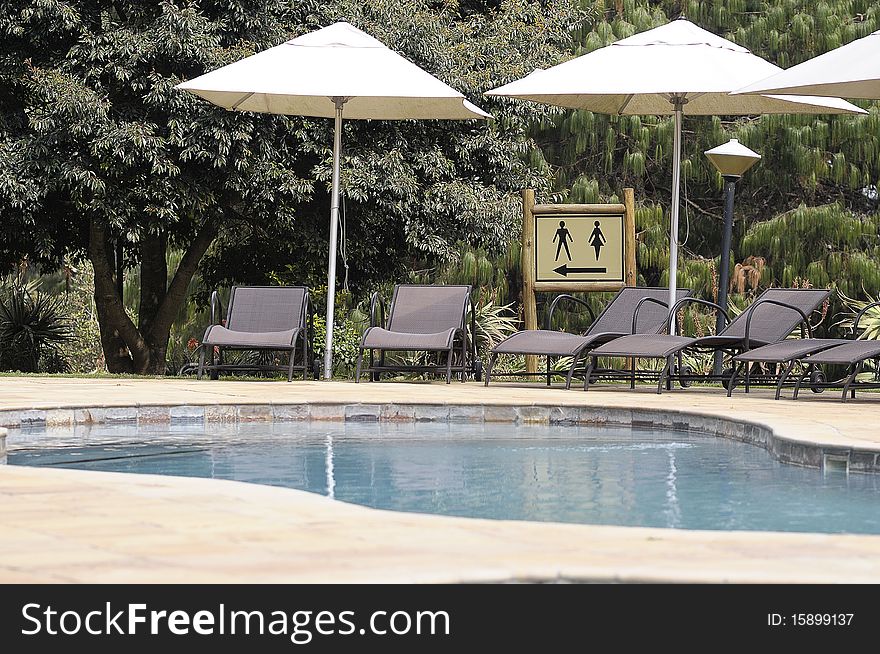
(217, 309)
(695, 300)
(861, 315)
(638, 308)
(755, 305)
(565, 296)
(377, 304)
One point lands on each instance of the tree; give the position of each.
(413, 190)
(101, 158)
(814, 160)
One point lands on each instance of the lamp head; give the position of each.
(732, 159)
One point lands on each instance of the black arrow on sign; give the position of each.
(564, 269)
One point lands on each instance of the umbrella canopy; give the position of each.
(850, 71)
(301, 76)
(677, 69)
(335, 71)
(640, 75)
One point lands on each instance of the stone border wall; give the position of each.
(813, 456)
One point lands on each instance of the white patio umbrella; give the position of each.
(850, 71)
(327, 73)
(677, 68)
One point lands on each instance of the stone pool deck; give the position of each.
(76, 526)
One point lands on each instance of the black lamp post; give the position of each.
(731, 159)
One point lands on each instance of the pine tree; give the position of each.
(828, 164)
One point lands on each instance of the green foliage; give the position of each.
(346, 340)
(495, 278)
(826, 244)
(83, 352)
(869, 325)
(414, 189)
(494, 323)
(93, 136)
(806, 159)
(33, 326)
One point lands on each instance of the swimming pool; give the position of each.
(586, 474)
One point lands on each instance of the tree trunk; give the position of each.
(154, 278)
(124, 348)
(156, 325)
(141, 349)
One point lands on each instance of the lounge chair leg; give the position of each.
(732, 383)
(783, 376)
(857, 368)
(357, 373)
(202, 362)
(290, 365)
(463, 358)
(574, 361)
(664, 375)
(800, 381)
(449, 366)
(678, 359)
(305, 357)
(489, 367)
(588, 372)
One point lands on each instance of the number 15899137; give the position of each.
(810, 619)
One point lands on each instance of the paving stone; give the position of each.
(290, 412)
(220, 413)
(327, 412)
(362, 412)
(397, 413)
(431, 413)
(189, 414)
(254, 412)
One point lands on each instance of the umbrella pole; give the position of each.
(678, 103)
(334, 231)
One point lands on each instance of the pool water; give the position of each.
(609, 476)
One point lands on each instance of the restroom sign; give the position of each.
(579, 247)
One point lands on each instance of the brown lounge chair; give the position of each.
(771, 318)
(634, 310)
(262, 318)
(811, 353)
(422, 318)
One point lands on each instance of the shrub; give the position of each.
(33, 326)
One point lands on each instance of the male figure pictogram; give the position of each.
(561, 238)
(597, 239)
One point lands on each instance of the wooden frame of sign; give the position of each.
(532, 285)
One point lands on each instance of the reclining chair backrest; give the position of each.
(257, 309)
(771, 322)
(617, 316)
(426, 309)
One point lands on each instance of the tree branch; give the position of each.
(154, 278)
(176, 293)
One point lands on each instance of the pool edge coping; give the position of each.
(783, 447)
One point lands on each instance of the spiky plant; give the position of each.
(494, 323)
(869, 323)
(33, 326)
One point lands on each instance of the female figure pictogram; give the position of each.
(561, 238)
(597, 239)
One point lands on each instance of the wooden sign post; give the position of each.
(575, 248)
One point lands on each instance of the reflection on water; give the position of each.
(566, 474)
